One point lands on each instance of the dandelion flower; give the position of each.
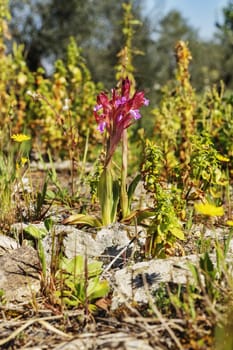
(229, 223)
(23, 160)
(20, 137)
(222, 158)
(209, 209)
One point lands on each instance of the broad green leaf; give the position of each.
(83, 219)
(35, 232)
(94, 268)
(139, 214)
(105, 194)
(97, 289)
(76, 267)
(73, 266)
(132, 188)
(116, 197)
(177, 232)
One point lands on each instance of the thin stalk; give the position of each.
(86, 284)
(72, 174)
(124, 196)
(71, 153)
(228, 194)
(83, 162)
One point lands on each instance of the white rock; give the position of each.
(129, 283)
(19, 274)
(8, 243)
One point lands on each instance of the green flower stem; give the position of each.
(106, 194)
(124, 196)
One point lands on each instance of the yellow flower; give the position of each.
(209, 209)
(23, 161)
(20, 137)
(222, 158)
(229, 223)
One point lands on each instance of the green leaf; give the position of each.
(48, 223)
(76, 267)
(35, 232)
(227, 242)
(83, 219)
(132, 188)
(92, 308)
(69, 283)
(94, 268)
(206, 264)
(97, 289)
(105, 194)
(50, 194)
(177, 232)
(139, 214)
(194, 272)
(73, 266)
(42, 257)
(75, 291)
(116, 197)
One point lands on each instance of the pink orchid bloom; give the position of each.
(118, 112)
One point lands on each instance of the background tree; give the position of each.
(224, 36)
(44, 27)
(172, 28)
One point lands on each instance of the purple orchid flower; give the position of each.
(118, 112)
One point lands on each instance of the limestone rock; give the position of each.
(119, 340)
(19, 274)
(7, 243)
(130, 281)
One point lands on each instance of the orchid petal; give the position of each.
(120, 101)
(116, 112)
(135, 114)
(97, 108)
(101, 126)
(119, 117)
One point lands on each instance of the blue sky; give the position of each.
(200, 14)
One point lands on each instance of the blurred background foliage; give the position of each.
(69, 51)
(44, 27)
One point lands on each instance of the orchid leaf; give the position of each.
(132, 188)
(105, 194)
(82, 219)
(116, 197)
(139, 214)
